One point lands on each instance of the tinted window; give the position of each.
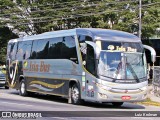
(13, 51)
(24, 50)
(20, 51)
(83, 46)
(55, 48)
(34, 50)
(42, 49)
(27, 49)
(69, 49)
(8, 50)
(90, 60)
(83, 38)
(87, 53)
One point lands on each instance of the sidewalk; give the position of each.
(152, 95)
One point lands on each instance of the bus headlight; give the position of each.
(104, 96)
(103, 86)
(143, 88)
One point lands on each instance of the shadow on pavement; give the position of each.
(53, 98)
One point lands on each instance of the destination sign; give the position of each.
(121, 48)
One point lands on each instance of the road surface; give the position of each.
(47, 106)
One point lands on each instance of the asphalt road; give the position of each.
(49, 107)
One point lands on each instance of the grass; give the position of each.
(148, 101)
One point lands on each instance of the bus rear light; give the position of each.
(126, 97)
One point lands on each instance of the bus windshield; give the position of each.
(120, 64)
(109, 63)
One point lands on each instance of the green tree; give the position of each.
(38, 16)
(5, 35)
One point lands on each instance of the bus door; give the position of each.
(88, 77)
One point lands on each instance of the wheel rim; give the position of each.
(22, 88)
(75, 94)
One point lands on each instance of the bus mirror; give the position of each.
(95, 47)
(153, 52)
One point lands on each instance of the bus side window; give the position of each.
(55, 48)
(87, 53)
(83, 46)
(24, 50)
(9, 51)
(83, 38)
(69, 49)
(90, 60)
(13, 51)
(27, 49)
(19, 55)
(42, 49)
(34, 50)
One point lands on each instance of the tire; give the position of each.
(74, 95)
(69, 96)
(117, 104)
(22, 89)
(6, 87)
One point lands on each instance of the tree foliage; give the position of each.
(38, 16)
(5, 35)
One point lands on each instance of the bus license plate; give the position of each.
(126, 97)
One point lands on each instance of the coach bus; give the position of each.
(82, 64)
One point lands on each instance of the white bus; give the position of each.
(83, 64)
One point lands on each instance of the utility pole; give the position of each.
(140, 19)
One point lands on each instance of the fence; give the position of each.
(156, 81)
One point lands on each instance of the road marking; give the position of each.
(15, 104)
(142, 118)
(61, 118)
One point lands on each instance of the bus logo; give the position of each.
(111, 47)
(6, 114)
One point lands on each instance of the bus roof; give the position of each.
(95, 33)
(109, 35)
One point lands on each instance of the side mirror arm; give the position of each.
(153, 52)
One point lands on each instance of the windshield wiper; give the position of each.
(133, 72)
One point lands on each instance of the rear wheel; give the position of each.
(74, 95)
(117, 104)
(22, 89)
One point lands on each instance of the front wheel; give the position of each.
(74, 95)
(22, 89)
(117, 104)
(6, 87)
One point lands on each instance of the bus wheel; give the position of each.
(75, 95)
(22, 89)
(6, 87)
(117, 104)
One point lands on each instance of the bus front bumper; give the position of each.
(116, 95)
